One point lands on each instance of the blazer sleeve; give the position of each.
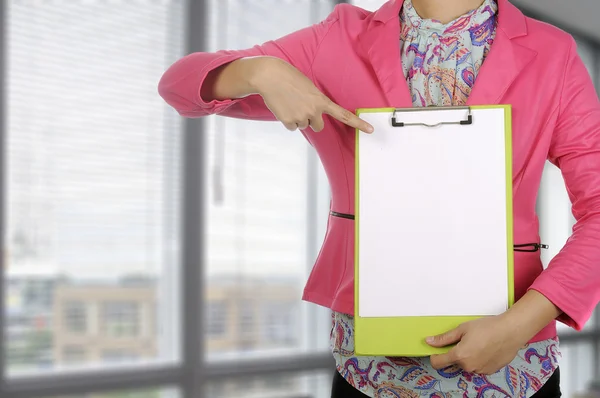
(180, 85)
(572, 279)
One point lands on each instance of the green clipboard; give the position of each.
(405, 336)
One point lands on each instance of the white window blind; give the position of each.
(93, 157)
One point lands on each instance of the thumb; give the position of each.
(445, 339)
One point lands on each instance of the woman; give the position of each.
(424, 53)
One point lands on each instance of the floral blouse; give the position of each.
(440, 63)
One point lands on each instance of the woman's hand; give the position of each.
(488, 344)
(484, 346)
(294, 99)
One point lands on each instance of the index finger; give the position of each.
(441, 361)
(347, 117)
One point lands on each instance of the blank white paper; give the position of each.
(432, 216)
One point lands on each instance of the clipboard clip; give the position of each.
(467, 121)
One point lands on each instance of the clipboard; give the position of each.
(433, 224)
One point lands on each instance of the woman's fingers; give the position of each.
(303, 124)
(298, 103)
(296, 124)
(317, 123)
(292, 126)
(347, 117)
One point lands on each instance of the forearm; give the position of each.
(531, 314)
(237, 79)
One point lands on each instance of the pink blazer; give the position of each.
(354, 58)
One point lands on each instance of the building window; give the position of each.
(73, 355)
(247, 322)
(75, 317)
(121, 318)
(279, 383)
(217, 318)
(119, 356)
(279, 326)
(37, 294)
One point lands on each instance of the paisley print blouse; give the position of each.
(440, 63)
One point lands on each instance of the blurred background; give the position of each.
(102, 293)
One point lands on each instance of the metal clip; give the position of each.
(467, 121)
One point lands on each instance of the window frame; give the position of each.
(192, 373)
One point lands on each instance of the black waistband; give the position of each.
(524, 247)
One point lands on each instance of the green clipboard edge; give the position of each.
(410, 329)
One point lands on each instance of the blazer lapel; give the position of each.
(502, 66)
(380, 45)
(505, 60)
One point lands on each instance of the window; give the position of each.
(246, 319)
(119, 356)
(314, 385)
(217, 318)
(93, 194)
(37, 293)
(92, 191)
(278, 383)
(150, 393)
(73, 355)
(121, 319)
(75, 317)
(578, 364)
(279, 324)
(261, 237)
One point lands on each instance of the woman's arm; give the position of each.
(268, 82)
(570, 288)
(223, 82)
(530, 314)
(572, 280)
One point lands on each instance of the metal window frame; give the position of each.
(192, 374)
(192, 221)
(3, 129)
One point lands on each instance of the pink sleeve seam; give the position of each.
(564, 77)
(310, 69)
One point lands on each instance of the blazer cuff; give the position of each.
(575, 314)
(215, 106)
